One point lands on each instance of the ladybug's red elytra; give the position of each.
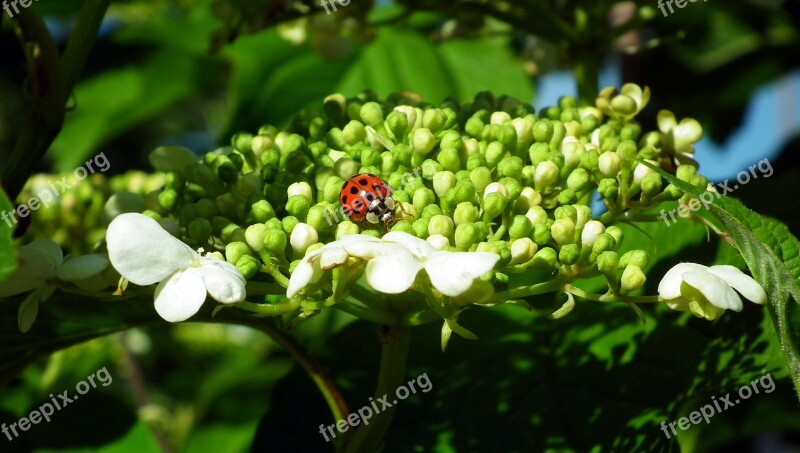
(367, 197)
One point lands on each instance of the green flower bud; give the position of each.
(524, 128)
(354, 132)
(422, 198)
(232, 233)
(494, 204)
(527, 199)
(522, 250)
(254, 236)
(609, 164)
(591, 231)
(420, 227)
(302, 237)
(510, 166)
(227, 205)
(261, 211)
(500, 118)
(481, 292)
(466, 235)
(388, 162)
(541, 234)
(236, 250)
(345, 168)
(566, 212)
(520, 227)
(579, 180)
(608, 188)
(636, 258)
(275, 241)
(465, 212)
(200, 230)
(298, 206)
(685, 172)
(371, 113)
(226, 170)
(449, 159)
(423, 141)
(615, 232)
(167, 199)
(538, 153)
(569, 254)
(474, 127)
(404, 226)
(632, 279)
(397, 123)
(413, 116)
(563, 231)
(545, 259)
(430, 211)
(441, 224)
(699, 181)
(545, 175)
(122, 202)
(543, 131)
(590, 160)
(604, 242)
(320, 218)
(607, 262)
(630, 131)
(346, 228)
(480, 177)
(443, 181)
(651, 184)
(331, 189)
(287, 224)
(302, 189)
(537, 215)
(494, 154)
(433, 119)
(248, 266)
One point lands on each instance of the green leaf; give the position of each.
(8, 255)
(772, 254)
(401, 59)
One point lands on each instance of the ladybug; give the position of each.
(366, 196)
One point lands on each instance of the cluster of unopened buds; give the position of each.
(484, 202)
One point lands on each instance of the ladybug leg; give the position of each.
(400, 205)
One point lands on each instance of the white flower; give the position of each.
(679, 138)
(144, 253)
(708, 291)
(42, 261)
(393, 263)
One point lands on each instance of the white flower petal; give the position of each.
(143, 252)
(417, 246)
(223, 281)
(438, 241)
(670, 285)
(452, 273)
(331, 257)
(393, 271)
(181, 295)
(367, 249)
(82, 267)
(306, 272)
(716, 290)
(741, 282)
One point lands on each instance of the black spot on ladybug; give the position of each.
(370, 197)
(354, 190)
(344, 199)
(363, 181)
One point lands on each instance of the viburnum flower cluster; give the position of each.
(492, 203)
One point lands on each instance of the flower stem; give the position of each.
(574, 290)
(394, 353)
(532, 290)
